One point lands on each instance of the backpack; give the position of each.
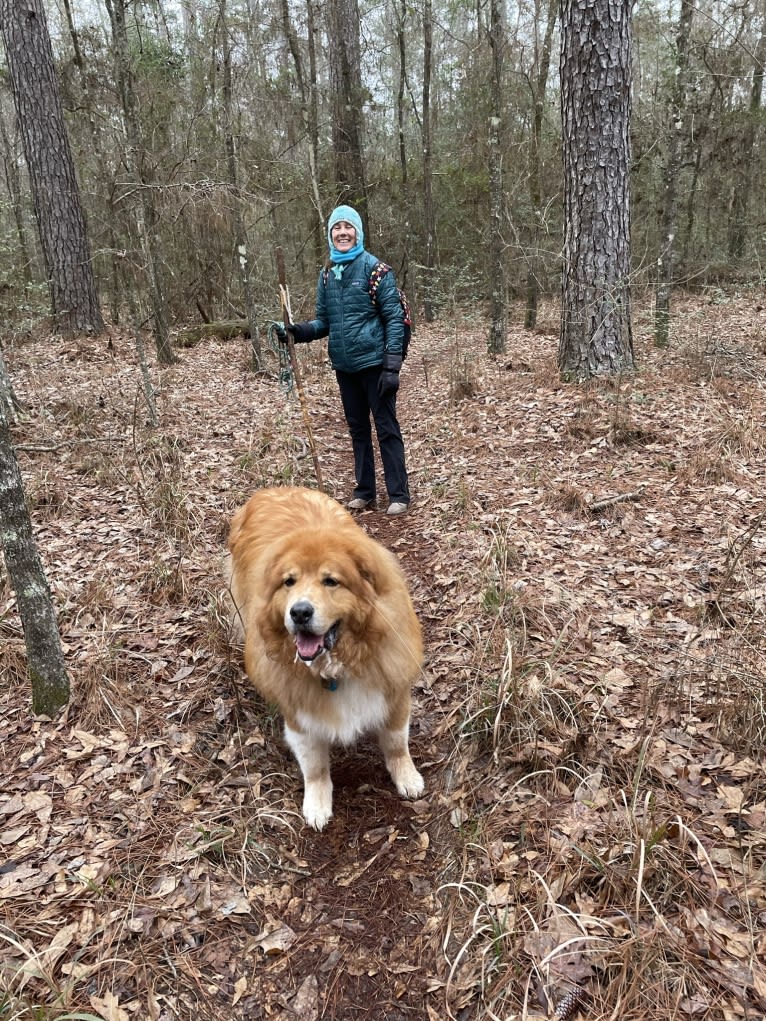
(379, 270)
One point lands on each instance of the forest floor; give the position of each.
(589, 566)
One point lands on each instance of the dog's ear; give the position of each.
(377, 566)
(366, 568)
(361, 560)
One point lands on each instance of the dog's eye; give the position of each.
(330, 582)
(289, 582)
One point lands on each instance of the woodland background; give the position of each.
(232, 146)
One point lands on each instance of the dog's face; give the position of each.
(321, 595)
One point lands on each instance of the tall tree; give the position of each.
(45, 657)
(308, 101)
(666, 259)
(596, 330)
(429, 213)
(13, 181)
(538, 85)
(60, 217)
(400, 13)
(346, 89)
(137, 162)
(743, 183)
(497, 318)
(243, 246)
(102, 156)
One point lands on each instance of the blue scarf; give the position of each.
(340, 259)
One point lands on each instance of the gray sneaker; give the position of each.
(359, 504)
(398, 508)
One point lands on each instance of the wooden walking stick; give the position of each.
(287, 319)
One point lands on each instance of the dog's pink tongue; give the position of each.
(308, 645)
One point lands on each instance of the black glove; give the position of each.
(389, 377)
(388, 382)
(301, 333)
(281, 333)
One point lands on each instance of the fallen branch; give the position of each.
(40, 448)
(192, 335)
(608, 501)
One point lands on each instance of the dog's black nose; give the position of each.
(302, 613)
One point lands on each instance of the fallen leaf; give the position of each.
(109, 1007)
(305, 1005)
(276, 941)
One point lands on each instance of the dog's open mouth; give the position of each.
(309, 645)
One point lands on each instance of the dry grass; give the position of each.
(569, 886)
(22, 967)
(584, 907)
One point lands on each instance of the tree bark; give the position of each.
(45, 657)
(666, 259)
(10, 403)
(13, 181)
(60, 217)
(596, 330)
(345, 86)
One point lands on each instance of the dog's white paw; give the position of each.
(317, 806)
(409, 782)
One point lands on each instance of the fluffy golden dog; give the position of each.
(331, 637)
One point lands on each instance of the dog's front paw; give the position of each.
(409, 782)
(317, 806)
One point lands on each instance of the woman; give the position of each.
(365, 348)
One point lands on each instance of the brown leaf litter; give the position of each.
(590, 719)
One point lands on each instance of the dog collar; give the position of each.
(329, 684)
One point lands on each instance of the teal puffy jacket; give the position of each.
(361, 334)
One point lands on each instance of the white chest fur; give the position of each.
(351, 711)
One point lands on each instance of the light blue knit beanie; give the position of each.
(350, 215)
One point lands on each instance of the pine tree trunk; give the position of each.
(596, 331)
(56, 195)
(45, 657)
(13, 180)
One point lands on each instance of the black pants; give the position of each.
(359, 394)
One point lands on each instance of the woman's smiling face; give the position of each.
(343, 236)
